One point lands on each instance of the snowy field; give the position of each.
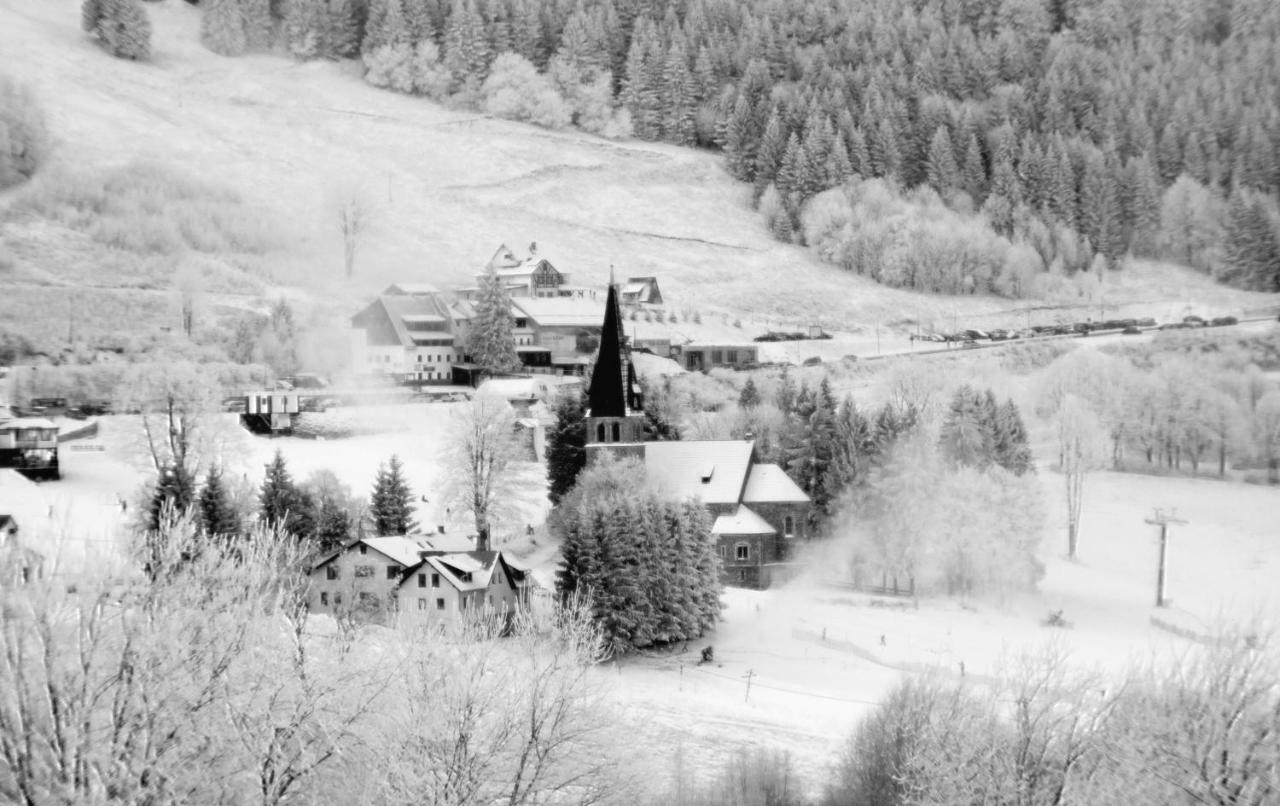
(818, 657)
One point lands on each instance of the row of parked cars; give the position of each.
(1126, 326)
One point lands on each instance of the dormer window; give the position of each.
(708, 473)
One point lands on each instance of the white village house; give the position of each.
(416, 581)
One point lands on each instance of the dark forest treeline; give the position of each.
(1147, 128)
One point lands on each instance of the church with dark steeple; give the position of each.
(759, 515)
(615, 405)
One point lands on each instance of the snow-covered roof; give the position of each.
(771, 484)
(402, 549)
(561, 311)
(713, 471)
(412, 318)
(28, 422)
(634, 288)
(742, 522)
(413, 289)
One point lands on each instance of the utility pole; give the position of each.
(1164, 521)
(750, 674)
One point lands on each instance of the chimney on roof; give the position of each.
(440, 529)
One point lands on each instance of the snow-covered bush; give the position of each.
(516, 91)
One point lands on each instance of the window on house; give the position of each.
(617, 433)
(364, 549)
(717, 357)
(367, 599)
(422, 580)
(788, 526)
(742, 575)
(364, 570)
(439, 604)
(600, 432)
(419, 358)
(422, 604)
(741, 551)
(331, 572)
(324, 599)
(393, 571)
(337, 599)
(435, 580)
(721, 550)
(731, 356)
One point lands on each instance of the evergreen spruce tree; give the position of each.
(218, 515)
(466, 47)
(1012, 446)
(853, 449)
(386, 26)
(649, 563)
(859, 157)
(282, 505)
(566, 444)
(841, 168)
(739, 147)
(943, 173)
(391, 504)
(222, 27)
(123, 28)
(749, 398)
(305, 28)
(965, 437)
(1252, 255)
(1142, 196)
(174, 494)
(773, 148)
(811, 449)
(91, 15)
(974, 174)
(421, 28)
(259, 25)
(785, 396)
(490, 341)
(342, 29)
(679, 94)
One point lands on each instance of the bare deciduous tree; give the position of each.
(353, 206)
(1079, 451)
(177, 404)
(481, 456)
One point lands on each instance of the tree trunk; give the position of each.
(1222, 460)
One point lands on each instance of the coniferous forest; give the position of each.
(955, 146)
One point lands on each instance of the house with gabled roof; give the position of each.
(640, 291)
(438, 577)
(445, 589)
(758, 513)
(409, 337)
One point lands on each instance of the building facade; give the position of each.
(758, 513)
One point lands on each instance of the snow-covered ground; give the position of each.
(818, 657)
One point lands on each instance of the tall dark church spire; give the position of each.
(610, 394)
(615, 420)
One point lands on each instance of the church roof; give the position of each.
(608, 395)
(713, 471)
(770, 484)
(743, 521)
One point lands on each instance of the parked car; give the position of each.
(1193, 321)
(1131, 330)
(1223, 321)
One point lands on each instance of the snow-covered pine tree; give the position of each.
(391, 504)
(282, 505)
(222, 27)
(943, 173)
(965, 437)
(1012, 446)
(749, 397)
(218, 515)
(259, 25)
(174, 494)
(566, 441)
(490, 341)
(124, 29)
(90, 15)
(342, 29)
